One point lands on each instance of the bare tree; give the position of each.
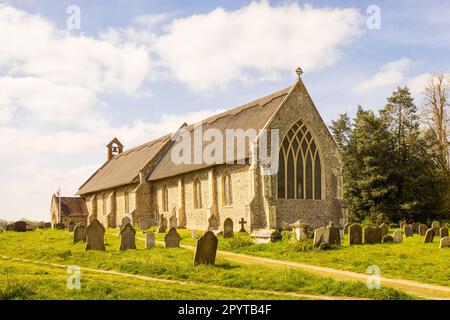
(436, 114)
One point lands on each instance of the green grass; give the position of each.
(411, 259)
(19, 281)
(56, 247)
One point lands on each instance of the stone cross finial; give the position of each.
(242, 222)
(299, 72)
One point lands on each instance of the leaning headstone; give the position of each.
(11, 227)
(206, 249)
(445, 242)
(436, 225)
(369, 235)
(47, 225)
(58, 226)
(346, 228)
(228, 228)
(79, 233)
(387, 239)
(126, 220)
(71, 226)
(150, 240)
(145, 223)
(95, 233)
(415, 227)
(318, 236)
(422, 229)
(398, 236)
(443, 232)
(332, 235)
(429, 236)
(20, 226)
(354, 234)
(384, 229)
(172, 239)
(408, 231)
(127, 237)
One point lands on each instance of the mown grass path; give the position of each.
(187, 283)
(420, 289)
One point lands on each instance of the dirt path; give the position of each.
(208, 286)
(419, 289)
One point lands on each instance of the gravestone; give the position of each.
(172, 239)
(206, 249)
(443, 232)
(445, 242)
(173, 222)
(276, 236)
(150, 240)
(11, 227)
(422, 229)
(318, 236)
(20, 226)
(58, 226)
(262, 236)
(387, 239)
(429, 236)
(415, 227)
(79, 233)
(47, 225)
(384, 229)
(408, 231)
(332, 235)
(71, 226)
(369, 235)
(354, 234)
(127, 237)
(398, 236)
(378, 237)
(242, 223)
(194, 234)
(162, 225)
(213, 223)
(346, 228)
(126, 220)
(145, 223)
(436, 225)
(228, 228)
(95, 233)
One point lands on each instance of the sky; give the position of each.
(75, 74)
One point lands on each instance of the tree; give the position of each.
(436, 115)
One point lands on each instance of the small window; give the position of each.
(227, 192)
(104, 204)
(127, 202)
(165, 199)
(197, 194)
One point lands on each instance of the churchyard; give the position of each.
(167, 265)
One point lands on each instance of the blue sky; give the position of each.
(138, 69)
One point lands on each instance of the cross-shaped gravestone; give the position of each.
(242, 222)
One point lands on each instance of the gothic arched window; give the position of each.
(227, 192)
(197, 194)
(165, 199)
(299, 171)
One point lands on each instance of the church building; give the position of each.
(146, 183)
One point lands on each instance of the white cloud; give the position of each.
(219, 47)
(389, 74)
